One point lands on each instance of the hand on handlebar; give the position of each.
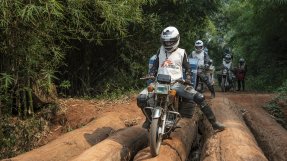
(187, 80)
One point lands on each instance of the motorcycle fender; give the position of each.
(156, 113)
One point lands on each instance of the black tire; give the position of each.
(155, 139)
(223, 88)
(233, 85)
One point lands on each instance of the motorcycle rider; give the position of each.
(240, 74)
(171, 60)
(227, 51)
(203, 64)
(227, 63)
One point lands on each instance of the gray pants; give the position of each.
(181, 90)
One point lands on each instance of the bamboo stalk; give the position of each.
(24, 103)
(30, 108)
(1, 132)
(18, 103)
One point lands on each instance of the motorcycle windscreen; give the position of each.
(193, 62)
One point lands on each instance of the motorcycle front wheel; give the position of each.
(223, 89)
(233, 85)
(155, 137)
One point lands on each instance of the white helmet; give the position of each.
(198, 45)
(227, 58)
(210, 62)
(241, 60)
(170, 38)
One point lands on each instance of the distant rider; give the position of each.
(203, 65)
(227, 64)
(240, 74)
(171, 60)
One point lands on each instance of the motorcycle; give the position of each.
(165, 110)
(227, 80)
(197, 83)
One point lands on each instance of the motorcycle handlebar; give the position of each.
(179, 80)
(148, 77)
(183, 82)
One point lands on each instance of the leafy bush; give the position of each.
(258, 83)
(278, 105)
(22, 135)
(282, 90)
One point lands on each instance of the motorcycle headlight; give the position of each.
(162, 89)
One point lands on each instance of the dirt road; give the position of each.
(251, 133)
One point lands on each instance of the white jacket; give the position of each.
(171, 63)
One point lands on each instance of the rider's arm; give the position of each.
(206, 58)
(154, 68)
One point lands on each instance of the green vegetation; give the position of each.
(278, 106)
(19, 135)
(81, 48)
(85, 48)
(255, 30)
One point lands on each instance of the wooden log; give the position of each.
(75, 142)
(270, 135)
(178, 146)
(123, 145)
(236, 142)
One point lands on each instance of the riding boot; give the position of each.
(217, 126)
(212, 91)
(239, 85)
(205, 108)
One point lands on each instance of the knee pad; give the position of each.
(199, 98)
(142, 100)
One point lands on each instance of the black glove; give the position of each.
(150, 75)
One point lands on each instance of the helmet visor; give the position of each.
(169, 43)
(198, 47)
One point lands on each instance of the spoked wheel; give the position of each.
(155, 137)
(233, 85)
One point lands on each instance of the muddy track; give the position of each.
(107, 137)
